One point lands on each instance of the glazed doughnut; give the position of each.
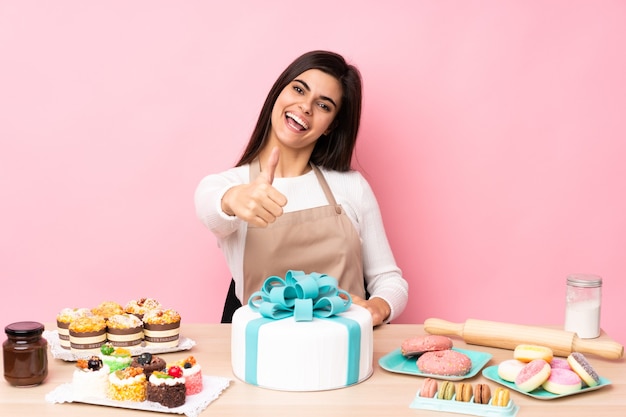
(583, 368)
(527, 353)
(509, 369)
(429, 389)
(562, 381)
(444, 362)
(532, 375)
(415, 346)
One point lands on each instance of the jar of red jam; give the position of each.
(25, 354)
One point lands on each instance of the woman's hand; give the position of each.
(257, 203)
(378, 307)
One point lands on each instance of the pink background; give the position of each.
(493, 134)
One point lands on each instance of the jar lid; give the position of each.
(584, 280)
(24, 328)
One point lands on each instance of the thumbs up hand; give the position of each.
(258, 202)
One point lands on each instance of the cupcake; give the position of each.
(167, 387)
(107, 309)
(149, 363)
(141, 306)
(124, 330)
(161, 328)
(90, 378)
(128, 384)
(116, 358)
(87, 335)
(193, 375)
(64, 318)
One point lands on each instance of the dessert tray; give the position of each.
(471, 408)
(539, 393)
(194, 404)
(396, 362)
(58, 352)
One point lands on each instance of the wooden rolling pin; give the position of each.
(508, 336)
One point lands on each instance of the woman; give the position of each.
(293, 202)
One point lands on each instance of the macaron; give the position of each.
(527, 353)
(429, 388)
(464, 391)
(501, 397)
(482, 394)
(444, 362)
(415, 346)
(509, 369)
(583, 368)
(446, 391)
(532, 375)
(562, 381)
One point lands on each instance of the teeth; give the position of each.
(298, 120)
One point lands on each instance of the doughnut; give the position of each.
(444, 362)
(464, 391)
(446, 391)
(501, 397)
(583, 368)
(562, 381)
(415, 346)
(527, 353)
(482, 394)
(532, 375)
(560, 363)
(509, 369)
(429, 389)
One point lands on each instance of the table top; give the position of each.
(383, 394)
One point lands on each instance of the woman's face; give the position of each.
(305, 109)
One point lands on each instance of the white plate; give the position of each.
(58, 352)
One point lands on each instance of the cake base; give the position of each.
(170, 396)
(290, 355)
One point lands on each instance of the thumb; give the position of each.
(272, 162)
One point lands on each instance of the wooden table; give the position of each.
(383, 394)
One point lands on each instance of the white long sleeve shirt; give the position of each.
(382, 276)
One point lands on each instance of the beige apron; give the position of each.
(320, 239)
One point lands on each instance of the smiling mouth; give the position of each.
(296, 122)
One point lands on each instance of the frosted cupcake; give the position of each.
(64, 318)
(193, 375)
(124, 330)
(116, 358)
(90, 378)
(87, 335)
(129, 384)
(161, 328)
(141, 306)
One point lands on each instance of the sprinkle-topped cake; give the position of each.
(193, 375)
(127, 385)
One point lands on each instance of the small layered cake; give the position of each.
(161, 328)
(116, 358)
(193, 375)
(128, 384)
(64, 318)
(107, 309)
(141, 306)
(167, 387)
(124, 330)
(90, 378)
(149, 363)
(87, 335)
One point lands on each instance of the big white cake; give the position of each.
(291, 355)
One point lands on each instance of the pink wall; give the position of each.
(493, 135)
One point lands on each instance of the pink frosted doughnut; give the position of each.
(444, 362)
(560, 363)
(532, 375)
(417, 345)
(509, 369)
(562, 381)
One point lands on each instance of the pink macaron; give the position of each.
(429, 389)
(533, 375)
(562, 381)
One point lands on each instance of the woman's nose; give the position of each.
(305, 107)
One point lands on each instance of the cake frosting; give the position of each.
(295, 351)
(90, 378)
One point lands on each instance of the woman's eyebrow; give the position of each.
(306, 87)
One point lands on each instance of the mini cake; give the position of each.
(141, 306)
(87, 335)
(193, 375)
(161, 327)
(167, 387)
(90, 378)
(64, 318)
(128, 384)
(149, 363)
(124, 330)
(107, 309)
(116, 358)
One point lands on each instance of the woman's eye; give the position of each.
(324, 106)
(298, 89)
